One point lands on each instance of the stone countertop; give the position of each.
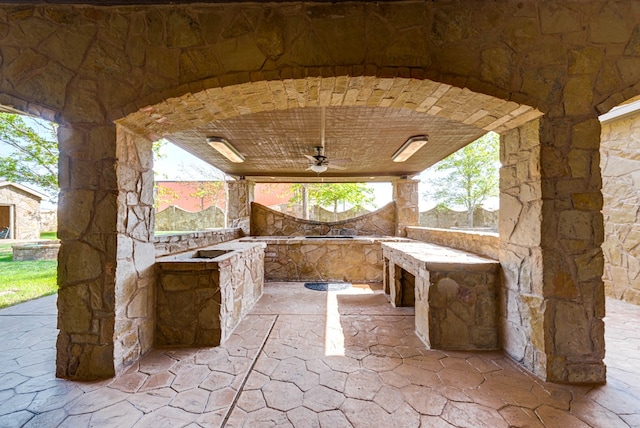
(438, 257)
(233, 249)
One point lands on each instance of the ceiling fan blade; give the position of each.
(334, 166)
(340, 161)
(311, 158)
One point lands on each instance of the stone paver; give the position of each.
(280, 369)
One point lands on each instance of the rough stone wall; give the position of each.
(552, 269)
(175, 218)
(240, 199)
(268, 222)
(48, 221)
(298, 259)
(320, 214)
(444, 218)
(621, 190)
(572, 263)
(42, 250)
(523, 305)
(171, 244)
(86, 67)
(483, 243)
(200, 301)
(26, 214)
(135, 275)
(87, 260)
(406, 197)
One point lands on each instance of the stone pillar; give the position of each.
(240, 198)
(550, 233)
(105, 272)
(87, 212)
(406, 197)
(134, 282)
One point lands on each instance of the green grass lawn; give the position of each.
(22, 281)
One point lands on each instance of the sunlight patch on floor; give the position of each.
(334, 335)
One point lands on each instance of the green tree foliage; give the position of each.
(209, 191)
(467, 177)
(356, 195)
(29, 153)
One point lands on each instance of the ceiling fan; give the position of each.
(319, 162)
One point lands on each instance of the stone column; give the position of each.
(134, 282)
(240, 198)
(551, 232)
(406, 197)
(87, 212)
(105, 273)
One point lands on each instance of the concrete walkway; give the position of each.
(311, 359)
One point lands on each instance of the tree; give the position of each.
(163, 195)
(467, 177)
(210, 191)
(29, 149)
(357, 195)
(30, 152)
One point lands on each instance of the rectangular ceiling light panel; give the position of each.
(410, 147)
(225, 149)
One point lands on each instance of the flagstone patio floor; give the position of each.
(305, 358)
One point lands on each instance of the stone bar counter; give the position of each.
(454, 293)
(323, 257)
(203, 294)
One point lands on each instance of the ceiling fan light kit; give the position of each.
(225, 149)
(318, 168)
(410, 147)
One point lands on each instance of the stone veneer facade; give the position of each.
(620, 150)
(268, 222)
(88, 67)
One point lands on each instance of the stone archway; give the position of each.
(93, 65)
(525, 327)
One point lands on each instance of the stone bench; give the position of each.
(454, 293)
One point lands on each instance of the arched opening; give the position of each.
(366, 119)
(620, 166)
(28, 198)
